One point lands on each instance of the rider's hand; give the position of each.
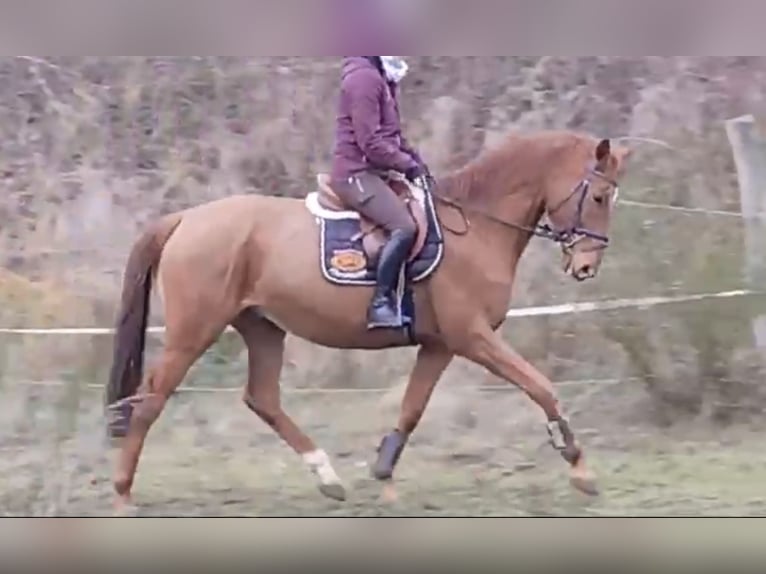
(415, 173)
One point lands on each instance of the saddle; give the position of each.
(373, 236)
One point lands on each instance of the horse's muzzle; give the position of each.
(584, 273)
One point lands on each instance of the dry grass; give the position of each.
(476, 454)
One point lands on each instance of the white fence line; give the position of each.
(337, 391)
(550, 310)
(693, 210)
(616, 304)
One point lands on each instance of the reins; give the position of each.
(567, 237)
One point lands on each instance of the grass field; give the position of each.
(477, 454)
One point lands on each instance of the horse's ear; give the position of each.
(622, 153)
(603, 151)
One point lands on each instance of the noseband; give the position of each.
(571, 236)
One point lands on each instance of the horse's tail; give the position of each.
(130, 339)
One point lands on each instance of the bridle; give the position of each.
(573, 235)
(568, 237)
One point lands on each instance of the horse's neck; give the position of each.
(491, 230)
(502, 204)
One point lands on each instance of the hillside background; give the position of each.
(92, 148)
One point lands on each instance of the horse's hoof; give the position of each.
(389, 494)
(588, 485)
(334, 492)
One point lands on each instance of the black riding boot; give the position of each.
(384, 312)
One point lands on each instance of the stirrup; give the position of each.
(391, 308)
(372, 325)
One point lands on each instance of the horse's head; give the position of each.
(580, 199)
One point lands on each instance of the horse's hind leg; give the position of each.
(182, 349)
(266, 345)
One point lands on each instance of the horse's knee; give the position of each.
(265, 412)
(147, 412)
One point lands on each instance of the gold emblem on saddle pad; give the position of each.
(349, 261)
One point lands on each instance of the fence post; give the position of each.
(749, 147)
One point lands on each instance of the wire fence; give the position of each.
(335, 391)
(539, 311)
(550, 310)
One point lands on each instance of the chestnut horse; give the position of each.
(269, 266)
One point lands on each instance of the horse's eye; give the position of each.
(600, 199)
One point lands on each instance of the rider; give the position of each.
(368, 144)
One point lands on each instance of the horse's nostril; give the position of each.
(585, 272)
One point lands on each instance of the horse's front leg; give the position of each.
(429, 367)
(489, 350)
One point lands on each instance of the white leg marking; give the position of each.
(319, 464)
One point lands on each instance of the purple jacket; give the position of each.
(368, 135)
